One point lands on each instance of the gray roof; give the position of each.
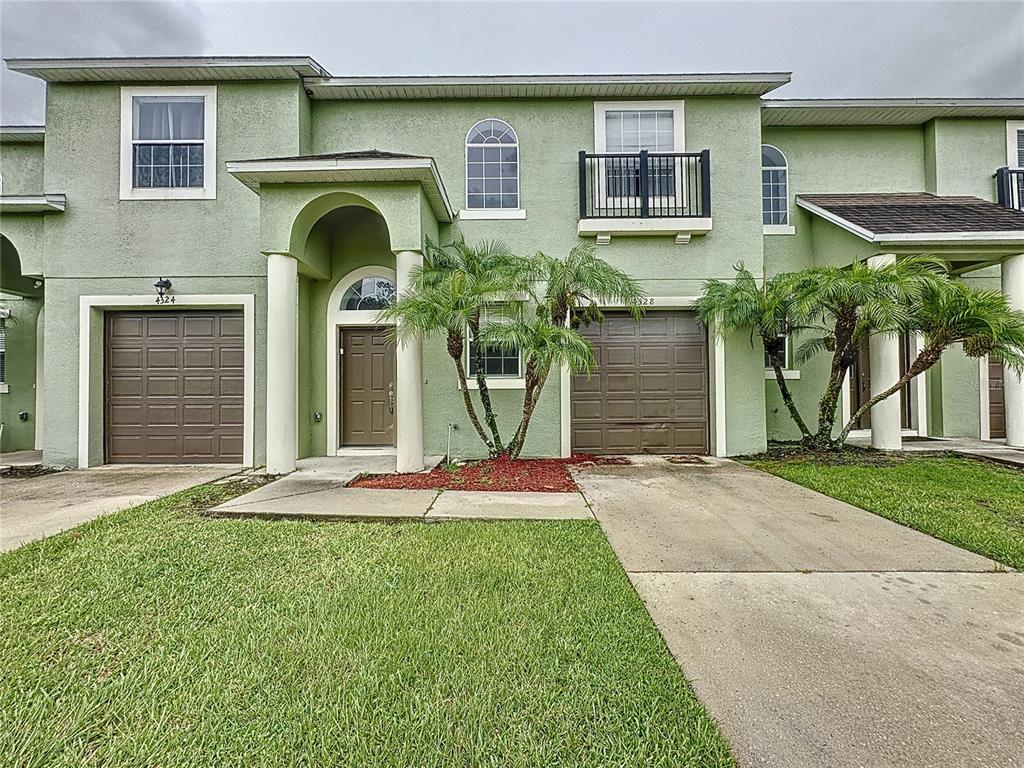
(882, 111)
(168, 68)
(362, 154)
(887, 216)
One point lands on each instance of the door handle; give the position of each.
(391, 398)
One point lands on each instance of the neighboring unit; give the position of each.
(212, 240)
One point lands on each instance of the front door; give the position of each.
(860, 383)
(367, 387)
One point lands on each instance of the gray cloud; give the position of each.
(842, 49)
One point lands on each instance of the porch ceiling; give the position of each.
(348, 167)
(920, 219)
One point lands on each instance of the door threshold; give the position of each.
(366, 450)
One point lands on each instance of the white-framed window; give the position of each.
(498, 362)
(786, 359)
(1015, 143)
(492, 170)
(774, 187)
(370, 293)
(169, 142)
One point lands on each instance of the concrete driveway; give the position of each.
(34, 507)
(819, 634)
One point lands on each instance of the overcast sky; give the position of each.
(834, 49)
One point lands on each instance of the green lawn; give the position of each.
(159, 637)
(969, 503)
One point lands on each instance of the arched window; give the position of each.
(492, 166)
(774, 186)
(369, 293)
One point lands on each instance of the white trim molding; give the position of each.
(984, 402)
(209, 189)
(678, 120)
(341, 318)
(88, 304)
(1012, 156)
(787, 373)
(778, 229)
(492, 214)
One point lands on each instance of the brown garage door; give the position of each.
(174, 387)
(649, 393)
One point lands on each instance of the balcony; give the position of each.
(1009, 188)
(645, 194)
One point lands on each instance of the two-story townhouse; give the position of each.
(212, 240)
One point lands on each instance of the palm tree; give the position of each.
(451, 294)
(767, 308)
(949, 312)
(848, 305)
(575, 288)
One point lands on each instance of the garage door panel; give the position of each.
(199, 357)
(174, 386)
(650, 386)
(162, 357)
(162, 326)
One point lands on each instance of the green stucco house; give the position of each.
(194, 252)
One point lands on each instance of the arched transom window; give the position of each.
(492, 166)
(774, 186)
(369, 293)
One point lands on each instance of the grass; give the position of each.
(156, 636)
(970, 503)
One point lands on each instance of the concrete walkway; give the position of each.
(992, 450)
(34, 507)
(316, 491)
(819, 634)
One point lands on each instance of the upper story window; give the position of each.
(1015, 143)
(168, 143)
(492, 167)
(774, 187)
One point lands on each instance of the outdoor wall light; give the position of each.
(162, 285)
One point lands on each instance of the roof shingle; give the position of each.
(918, 213)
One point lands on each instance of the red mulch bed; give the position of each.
(502, 474)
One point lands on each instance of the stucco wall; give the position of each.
(21, 166)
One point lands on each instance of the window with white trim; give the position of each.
(774, 186)
(371, 293)
(492, 166)
(168, 137)
(786, 359)
(498, 361)
(1015, 143)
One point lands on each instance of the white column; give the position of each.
(886, 421)
(282, 362)
(409, 383)
(1013, 385)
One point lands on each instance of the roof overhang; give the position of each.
(782, 112)
(900, 239)
(549, 86)
(254, 173)
(33, 203)
(169, 68)
(22, 134)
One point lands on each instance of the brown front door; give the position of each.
(649, 393)
(860, 384)
(996, 401)
(367, 387)
(173, 386)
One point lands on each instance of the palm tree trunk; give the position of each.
(787, 396)
(925, 360)
(456, 344)
(822, 439)
(477, 350)
(534, 386)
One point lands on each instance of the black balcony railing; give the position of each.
(645, 185)
(1010, 187)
